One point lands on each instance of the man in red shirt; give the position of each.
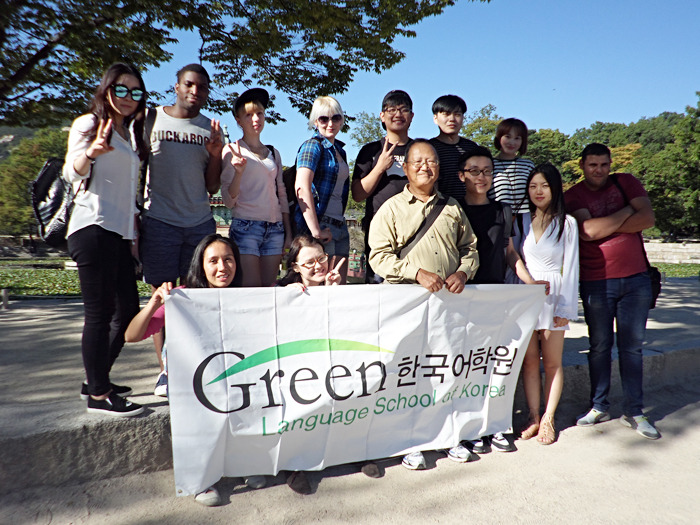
(612, 210)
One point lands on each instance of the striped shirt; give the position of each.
(510, 183)
(448, 155)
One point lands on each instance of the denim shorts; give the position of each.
(258, 238)
(166, 250)
(340, 243)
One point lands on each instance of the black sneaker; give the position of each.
(121, 391)
(500, 443)
(479, 446)
(114, 405)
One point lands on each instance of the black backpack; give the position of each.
(52, 202)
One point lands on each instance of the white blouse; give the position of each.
(110, 201)
(556, 261)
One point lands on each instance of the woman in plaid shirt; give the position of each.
(322, 182)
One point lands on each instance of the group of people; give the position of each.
(441, 213)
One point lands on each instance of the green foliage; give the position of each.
(52, 52)
(672, 178)
(28, 277)
(366, 128)
(18, 170)
(480, 126)
(549, 145)
(10, 137)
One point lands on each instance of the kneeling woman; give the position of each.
(214, 265)
(308, 264)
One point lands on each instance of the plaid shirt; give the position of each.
(318, 155)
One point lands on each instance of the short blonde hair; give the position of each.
(324, 106)
(252, 105)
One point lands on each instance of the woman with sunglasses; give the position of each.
(105, 148)
(252, 187)
(322, 182)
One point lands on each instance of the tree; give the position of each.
(52, 52)
(18, 170)
(366, 128)
(480, 126)
(672, 178)
(549, 145)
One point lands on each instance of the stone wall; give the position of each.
(674, 253)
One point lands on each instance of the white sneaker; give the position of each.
(642, 425)
(256, 482)
(208, 498)
(592, 417)
(161, 389)
(459, 454)
(414, 461)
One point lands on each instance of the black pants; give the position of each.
(110, 298)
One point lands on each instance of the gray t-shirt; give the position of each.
(176, 191)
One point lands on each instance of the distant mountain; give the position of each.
(10, 137)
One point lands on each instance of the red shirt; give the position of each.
(620, 254)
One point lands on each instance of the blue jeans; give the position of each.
(166, 250)
(259, 238)
(340, 243)
(625, 302)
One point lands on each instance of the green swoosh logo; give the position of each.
(295, 348)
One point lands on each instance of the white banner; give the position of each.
(270, 379)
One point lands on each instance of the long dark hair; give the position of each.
(99, 105)
(196, 278)
(556, 208)
(300, 241)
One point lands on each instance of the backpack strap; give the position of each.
(508, 221)
(424, 227)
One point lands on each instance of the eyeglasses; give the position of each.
(391, 111)
(335, 118)
(418, 163)
(474, 172)
(121, 91)
(310, 264)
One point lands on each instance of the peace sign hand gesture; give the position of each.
(238, 160)
(333, 277)
(215, 144)
(100, 145)
(386, 158)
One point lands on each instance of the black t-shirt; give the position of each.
(390, 183)
(449, 154)
(489, 225)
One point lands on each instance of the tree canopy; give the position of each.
(52, 52)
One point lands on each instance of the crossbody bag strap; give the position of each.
(424, 227)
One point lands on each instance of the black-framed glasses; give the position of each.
(474, 172)
(393, 110)
(121, 91)
(335, 118)
(319, 260)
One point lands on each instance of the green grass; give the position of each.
(43, 277)
(46, 277)
(679, 270)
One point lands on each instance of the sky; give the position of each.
(560, 64)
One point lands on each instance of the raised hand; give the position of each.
(215, 144)
(333, 277)
(386, 158)
(238, 160)
(100, 145)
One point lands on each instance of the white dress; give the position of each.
(555, 261)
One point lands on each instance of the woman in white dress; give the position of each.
(550, 251)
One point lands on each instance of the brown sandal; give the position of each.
(531, 431)
(546, 435)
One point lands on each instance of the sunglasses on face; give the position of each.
(121, 91)
(335, 118)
